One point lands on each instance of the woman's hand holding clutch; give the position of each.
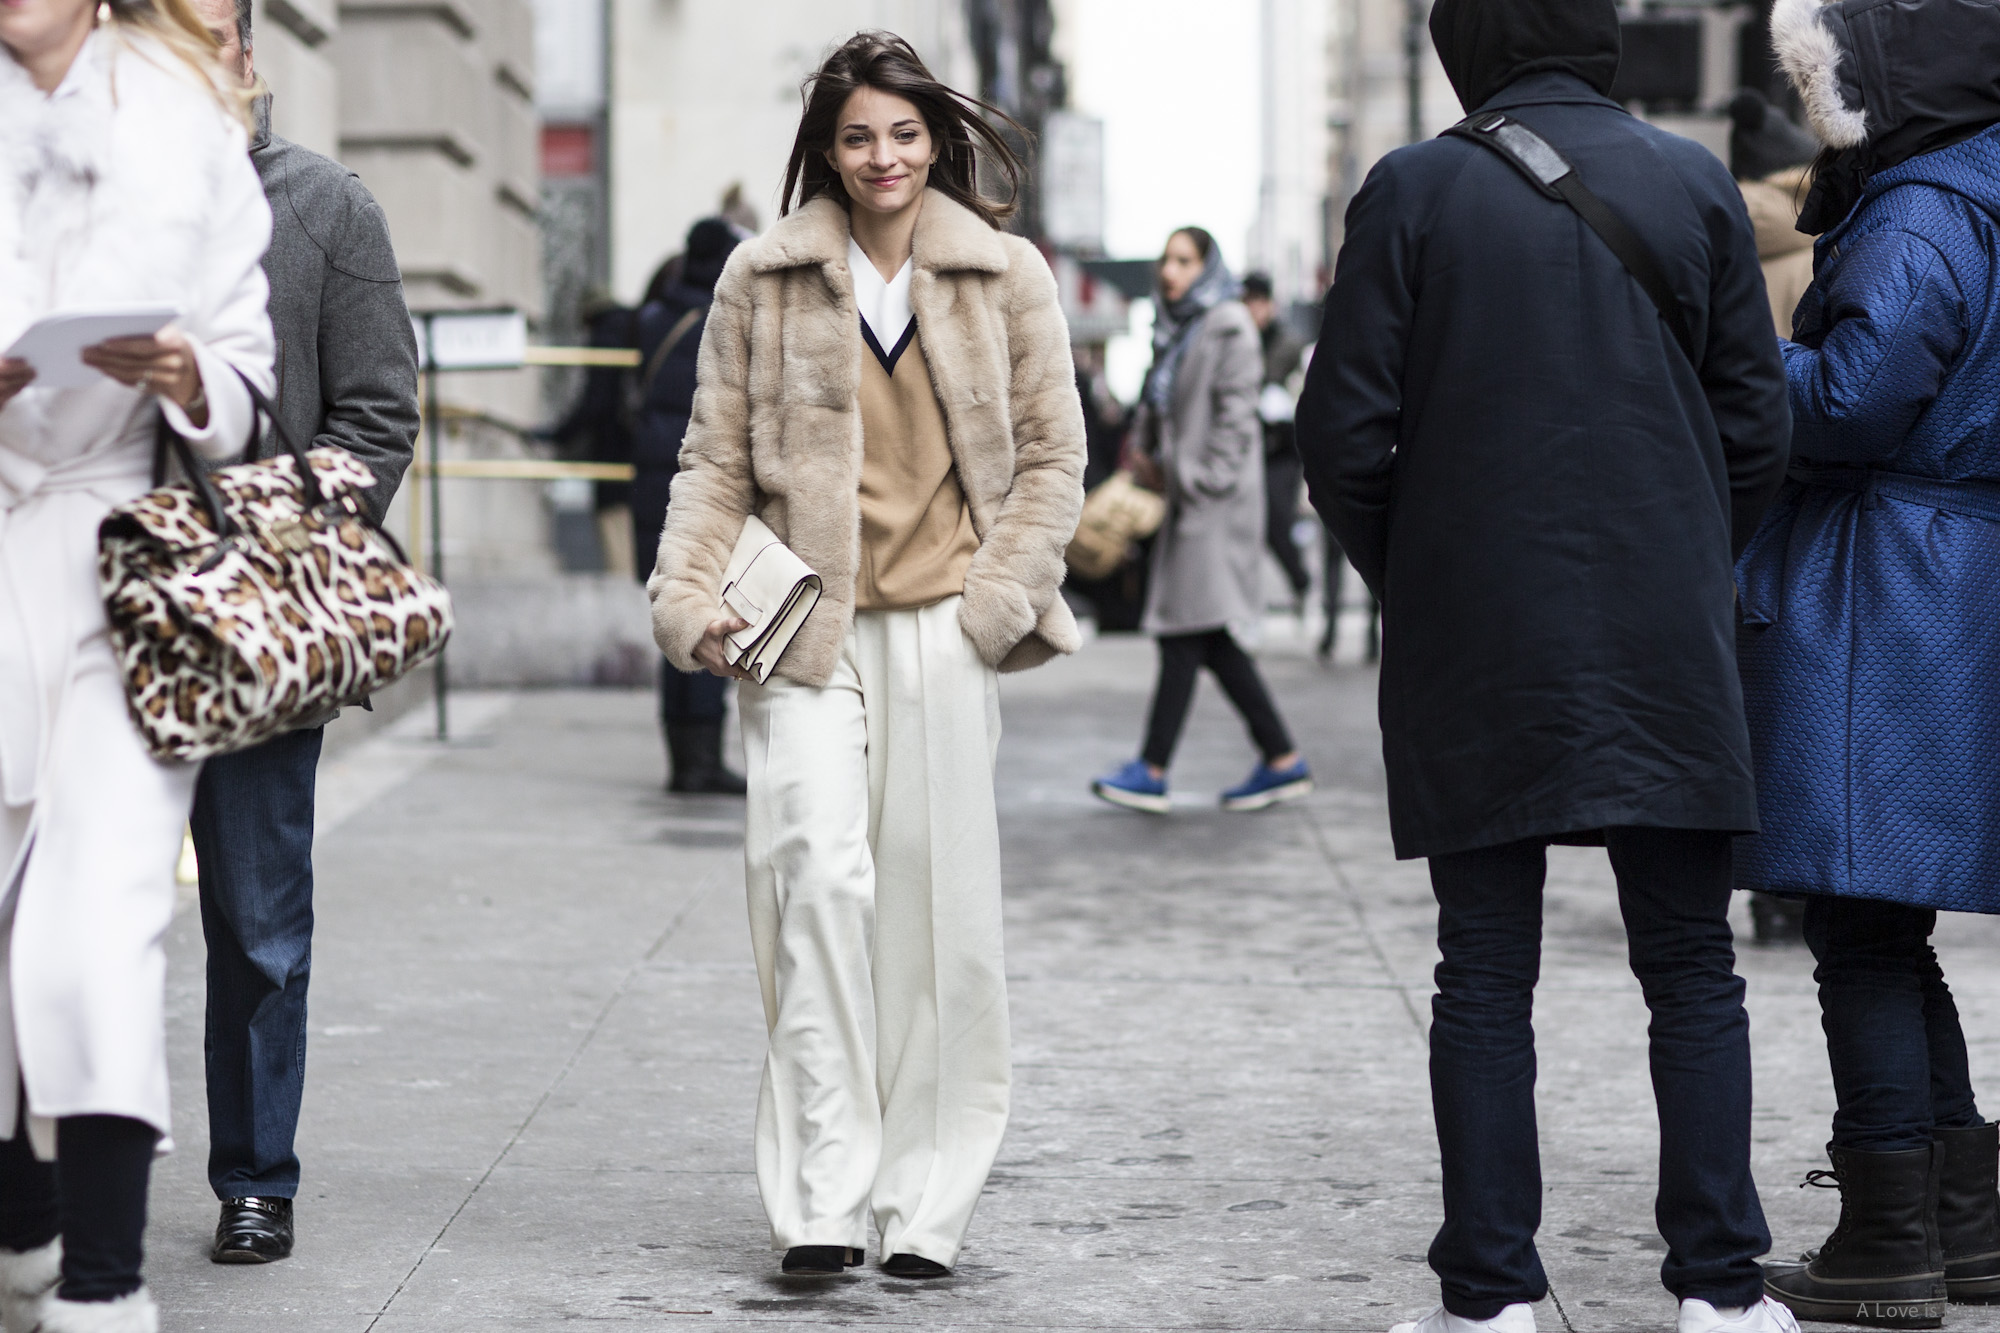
(713, 650)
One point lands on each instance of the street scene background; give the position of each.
(536, 1036)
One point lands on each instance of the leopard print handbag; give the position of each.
(251, 599)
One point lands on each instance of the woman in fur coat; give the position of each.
(885, 379)
(124, 179)
(1871, 602)
(1201, 444)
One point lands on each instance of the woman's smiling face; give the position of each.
(882, 149)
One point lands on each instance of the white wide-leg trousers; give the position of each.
(873, 856)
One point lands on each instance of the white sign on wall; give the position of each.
(472, 339)
(1073, 181)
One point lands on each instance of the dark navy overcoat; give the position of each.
(1871, 649)
(1540, 486)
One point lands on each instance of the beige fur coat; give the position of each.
(776, 430)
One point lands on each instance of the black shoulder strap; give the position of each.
(1551, 173)
(673, 339)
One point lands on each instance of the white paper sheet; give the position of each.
(53, 344)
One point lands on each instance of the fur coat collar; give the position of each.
(776, 431)
(950, 238)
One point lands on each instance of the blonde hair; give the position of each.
(175, 25)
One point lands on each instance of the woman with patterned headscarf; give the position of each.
(1200, 443)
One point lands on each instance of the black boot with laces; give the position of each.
(1883, 1265)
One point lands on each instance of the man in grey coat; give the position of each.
(347, 378)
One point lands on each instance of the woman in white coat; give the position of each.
(124, 179)
(885, 379)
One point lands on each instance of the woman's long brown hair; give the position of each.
(963, 127)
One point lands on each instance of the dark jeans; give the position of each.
(1673, 889)
(253, 834)
(1283, 476)
(1182, 656)
(1892, 1033)
(93, 1195)
(690, 696)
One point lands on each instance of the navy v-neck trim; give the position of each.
(889, 358)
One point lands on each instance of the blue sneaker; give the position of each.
(1268, 786)
(1135, 788)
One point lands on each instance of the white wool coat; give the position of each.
(776, 431)
(129, 183)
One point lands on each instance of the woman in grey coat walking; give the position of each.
(1200, 444)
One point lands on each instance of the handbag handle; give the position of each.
(166, 439)
(260, 403)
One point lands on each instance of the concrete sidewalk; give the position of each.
(536, 1041)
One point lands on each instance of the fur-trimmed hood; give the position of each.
(1884, 81)
(1901, 76)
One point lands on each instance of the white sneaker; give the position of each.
(1516, 1318)
(1766, 1316)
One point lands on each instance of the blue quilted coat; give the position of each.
(1870, 650)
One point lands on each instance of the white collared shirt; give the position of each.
(884, 306)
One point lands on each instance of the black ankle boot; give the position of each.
(1882, 1266)
(695, 748)
(1969, 1212)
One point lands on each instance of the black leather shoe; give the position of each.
(913, 1265)
(820, 1260)
(253, 1231)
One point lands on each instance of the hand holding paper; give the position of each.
(163, 364)
(54, 345)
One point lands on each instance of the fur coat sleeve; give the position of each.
(1019, 618)
(714, 490)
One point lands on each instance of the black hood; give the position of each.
(709, 243)
(1487, 44)
(1885, 80)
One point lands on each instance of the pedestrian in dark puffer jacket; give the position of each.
(1871, 601)
(692, 703)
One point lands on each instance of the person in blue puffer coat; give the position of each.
(1870, 648)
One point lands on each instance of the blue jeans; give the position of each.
(1892, 1033)
(1673, 889)
(253, 832)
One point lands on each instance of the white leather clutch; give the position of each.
(769, 586)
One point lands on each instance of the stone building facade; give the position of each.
(432, 106)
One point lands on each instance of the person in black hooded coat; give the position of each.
(670, 323)
(1546, 495)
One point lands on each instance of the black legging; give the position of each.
(1181, 657)
(103, 1163)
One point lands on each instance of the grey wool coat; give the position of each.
(347, 356)
(776, 431)
(1208, 558)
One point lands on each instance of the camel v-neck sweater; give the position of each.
(917, 537)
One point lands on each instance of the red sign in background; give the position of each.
(568, 150)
